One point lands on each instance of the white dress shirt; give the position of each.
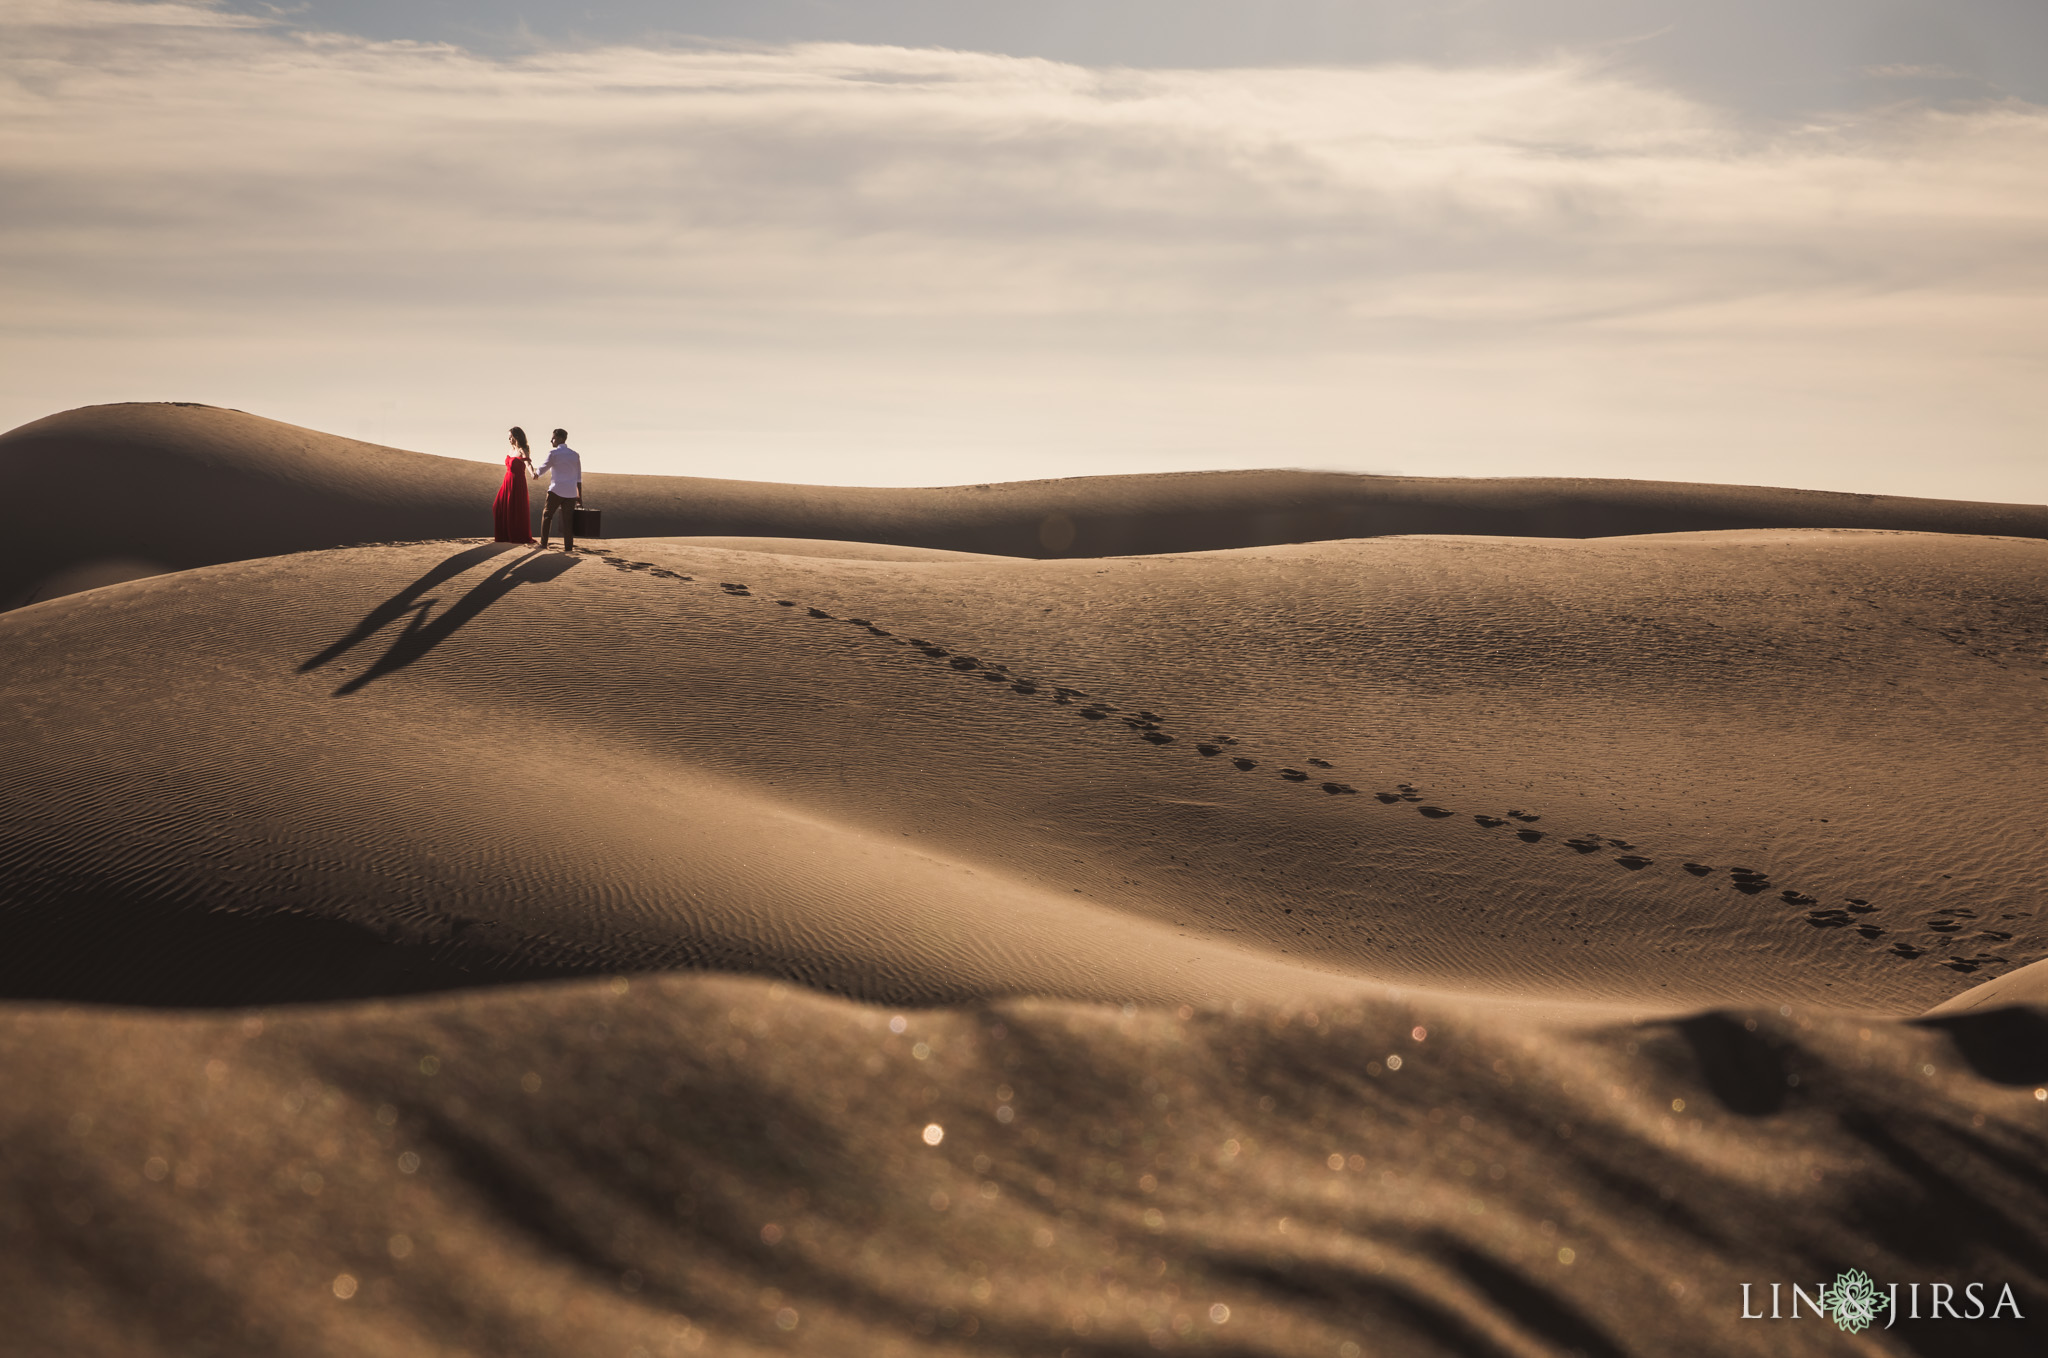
(566, 467)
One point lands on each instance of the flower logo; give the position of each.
(1853, 1301)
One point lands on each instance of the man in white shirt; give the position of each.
(564, 468)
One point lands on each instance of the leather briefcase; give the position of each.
(588, 523)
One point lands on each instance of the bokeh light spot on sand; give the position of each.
(1678, 1105)
(1347, 1349)
(344, 1286)
(1042, 1237)
(1335, 1161)
(154, 1169)
(1419, 1033)
(785, 1319)
(1155, 1220)
(2041, 1095)
(771, 1234)
(921, 1051)
(897, 1024)
(429, 1064)
(217, 1070)
(1393, 1063)
(408, 1162)
(933, 1134)
(1004, 1113)
(399, 1246)
(311, 1182)
(530, 1082)
(387, 1115)
(1565, 1254)
(1219, 1313)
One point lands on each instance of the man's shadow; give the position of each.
(424, 630)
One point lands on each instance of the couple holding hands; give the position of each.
(563, 466)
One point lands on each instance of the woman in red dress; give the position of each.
(509, 514)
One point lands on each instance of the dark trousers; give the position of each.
(547, 516)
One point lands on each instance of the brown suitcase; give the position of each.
(587, 523)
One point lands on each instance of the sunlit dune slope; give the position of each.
(123, 491)
(1658, 772)
(702, 1165)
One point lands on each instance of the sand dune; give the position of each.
(1129, 872)
(134, 489)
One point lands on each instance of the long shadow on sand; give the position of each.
(424, 630)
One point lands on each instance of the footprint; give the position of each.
(1435, 812)
(1860, 906)
(1093, 714)
(1024, 686)
(1826, 919)
(727, 584)
(666, 575)
(859, 622)
(878, 631)
(1294, 775)
(1945, 926)
(1870, 931)
(994, 678)
(814, 612)
(1157, 737)
(1322, 763)
(1224, 740)
(1490, 822)
(1529, 836)
(963, 662)
(1340, 789)
(1524, 817)
(1995, 935)
(1150, 716)
(1584, 845)
(1791, 897)
(1388, 797)
(1070, 692)
(1905, 949)
(1209, 749)
(1633, 862)
(1696, 869)
(1245, 765)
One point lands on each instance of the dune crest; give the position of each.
(182, 485)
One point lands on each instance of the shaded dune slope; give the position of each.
(140, 488)
(1653, 772)
(718, 1166)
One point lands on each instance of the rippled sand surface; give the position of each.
(739, 940)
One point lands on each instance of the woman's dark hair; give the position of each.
(519, 437)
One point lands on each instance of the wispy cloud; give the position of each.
(790, 216)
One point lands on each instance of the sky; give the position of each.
(920, 242)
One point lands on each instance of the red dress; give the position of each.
(509, 515)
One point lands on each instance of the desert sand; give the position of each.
(1248, 913)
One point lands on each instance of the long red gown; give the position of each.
(509, 515)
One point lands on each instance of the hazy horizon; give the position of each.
(839, 245)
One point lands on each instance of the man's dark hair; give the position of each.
(561, 436)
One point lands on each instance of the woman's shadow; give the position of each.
(424, 629)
